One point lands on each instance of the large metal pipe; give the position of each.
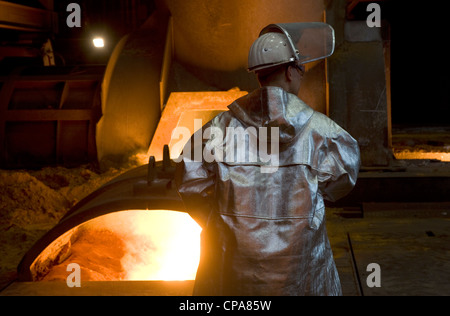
(213, 37)
(131, 92)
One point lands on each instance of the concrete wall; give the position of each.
(358, 88)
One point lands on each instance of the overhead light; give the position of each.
(98, 42)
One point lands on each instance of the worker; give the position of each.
(264, 233)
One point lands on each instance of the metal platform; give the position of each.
(107, 288)
(409, 242)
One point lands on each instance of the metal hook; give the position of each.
(166, 158)
(151, 175)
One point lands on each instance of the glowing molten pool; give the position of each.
(134, 245)
(421, 154)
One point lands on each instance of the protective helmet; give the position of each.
(280, 44)
(270, 50)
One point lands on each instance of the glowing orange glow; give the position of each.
(133, 245)
(406, 154)
(162, 246)
(181, 110)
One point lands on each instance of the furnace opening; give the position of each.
(126, 245)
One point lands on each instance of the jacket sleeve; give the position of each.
(195, 181)
(339, 164)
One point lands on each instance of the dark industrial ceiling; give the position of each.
(206, 32)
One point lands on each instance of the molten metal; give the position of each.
(421, 155)
(134, 245)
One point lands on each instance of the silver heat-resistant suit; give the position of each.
(264, 233)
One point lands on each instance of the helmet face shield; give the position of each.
(309, 41)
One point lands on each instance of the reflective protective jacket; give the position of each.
(264, 230)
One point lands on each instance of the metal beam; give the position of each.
(48, 4)
(23, 18)
(48, 115)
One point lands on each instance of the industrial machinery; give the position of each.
(169, 72)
